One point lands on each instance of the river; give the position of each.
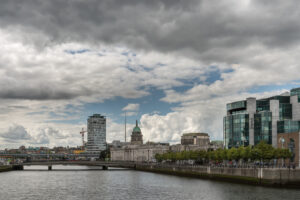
(87, 183)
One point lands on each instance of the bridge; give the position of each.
(104, 164)
(56, 155)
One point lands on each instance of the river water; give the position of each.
(87, 183)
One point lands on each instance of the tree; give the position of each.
(286, 153)
(193, 155)
(104, 154)
(256, 154)
(224, 154)
(246, 153)
(267, 151)
(233, 154)
(158, 157)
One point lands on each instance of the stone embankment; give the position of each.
(5, 168)
(257, 176)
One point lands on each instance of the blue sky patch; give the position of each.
(80, 51)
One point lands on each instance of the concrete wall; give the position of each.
(274, 108)
(251, 109)
(295, 107)
(248, 175)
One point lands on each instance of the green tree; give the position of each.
(224, 153)
(246, 153)
(256, 154)
(193, 155)
(158, 157)
(267, 151)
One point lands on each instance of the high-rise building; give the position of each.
(96, 137)
(250, 121)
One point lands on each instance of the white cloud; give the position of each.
(193, 115)
(251, 43)
(132, 107)
(15, 134)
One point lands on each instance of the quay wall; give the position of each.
(258, 176)
(5, 168)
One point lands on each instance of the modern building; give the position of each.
(96, 137)
(136, 136)
(250, 121)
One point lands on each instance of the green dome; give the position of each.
(136, 129)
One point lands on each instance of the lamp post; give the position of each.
(282, 143)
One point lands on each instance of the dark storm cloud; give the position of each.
(37, 94)
(199, 27)
(211, 31)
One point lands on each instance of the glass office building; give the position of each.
(96, 138)
(250, 121)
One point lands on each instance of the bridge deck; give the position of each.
(87, 163)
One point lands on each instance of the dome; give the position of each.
(136, 129)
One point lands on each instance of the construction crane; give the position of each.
(82, 135)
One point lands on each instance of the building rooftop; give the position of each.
(195, 134)
(97, 116)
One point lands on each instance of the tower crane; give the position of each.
(82, 135)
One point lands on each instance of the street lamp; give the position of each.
(282, 140)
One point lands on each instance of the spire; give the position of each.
(136, 123)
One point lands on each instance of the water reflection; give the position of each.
(124, 184)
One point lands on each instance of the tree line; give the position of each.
(261, 152)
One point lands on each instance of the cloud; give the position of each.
(102, 50)
(15, 134)
(132, 107)
(194, 114)
(116, 131)
(42, 138)
(209, 29)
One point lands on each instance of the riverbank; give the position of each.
(5, 168)
(254, 176)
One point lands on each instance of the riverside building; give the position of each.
(196, 142)
(136, 150)
(96, 137)
(250, 121)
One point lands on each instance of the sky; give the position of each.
(172, 65)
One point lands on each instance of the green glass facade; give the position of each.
(296, 92)
(236, 129)
(236, 105)
(237, 122)
(288, 126)
(263, 127)
(285, 111)
(262, 105)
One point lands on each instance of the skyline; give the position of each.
(172, 65)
